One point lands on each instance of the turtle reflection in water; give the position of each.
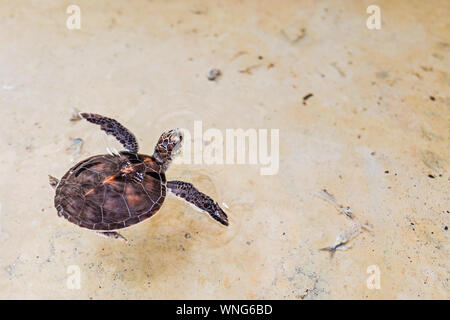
(106, 193)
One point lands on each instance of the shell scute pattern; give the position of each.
(106, 192)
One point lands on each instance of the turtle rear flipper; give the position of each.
(111, 126)
(188, 192)
(112, 234)
(53, 181)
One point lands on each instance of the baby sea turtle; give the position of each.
(110, 192)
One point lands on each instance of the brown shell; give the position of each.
(102, 192)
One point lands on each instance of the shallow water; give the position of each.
(370, 135)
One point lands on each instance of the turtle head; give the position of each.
(168, 146)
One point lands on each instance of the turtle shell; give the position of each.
(106, 192)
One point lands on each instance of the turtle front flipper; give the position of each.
(188, 192)
(111, 126)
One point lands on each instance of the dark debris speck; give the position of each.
(309, 95)
(213, 74)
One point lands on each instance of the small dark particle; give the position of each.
(431, 176)
(387, 171)
(248, 70)
(309, 95)
(187, 235)
(426, 69)
(382, 74)
(260, 57)
(213, 74)
(432, 98)
(198, 12)
(446, 228)
(372, 153)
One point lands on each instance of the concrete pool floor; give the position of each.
(375, 134)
